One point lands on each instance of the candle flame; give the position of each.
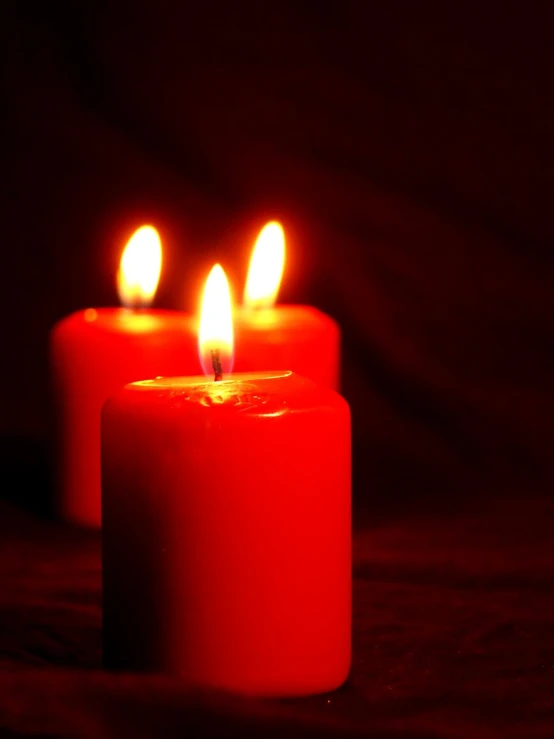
(140, 267)
(215, 333)
(266, 267)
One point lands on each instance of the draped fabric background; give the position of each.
(407, 150)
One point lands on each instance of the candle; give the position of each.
(94, 352)
(296, 337)
(226, 526)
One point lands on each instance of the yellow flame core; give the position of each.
(215, 333)
(266, 267)
(140, 267)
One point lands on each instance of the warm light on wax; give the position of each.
(215, 333)
(140, 267)
(282, 337)
(266, 267)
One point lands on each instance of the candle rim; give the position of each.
(117, 319)
(269, 393)
(198, 380)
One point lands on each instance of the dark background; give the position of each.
(407, 149)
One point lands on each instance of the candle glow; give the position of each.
(140, 267)
(215, 333)
(282, 337)
(266, 267)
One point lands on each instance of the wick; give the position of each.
(216, 364)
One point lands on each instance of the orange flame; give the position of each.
(266, 267)
(215, 333)
(140, 267)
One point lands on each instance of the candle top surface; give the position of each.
(268, 393)
(281, 316)
(128, 320)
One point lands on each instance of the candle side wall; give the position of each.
(226, 538)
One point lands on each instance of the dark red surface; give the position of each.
(453, 638)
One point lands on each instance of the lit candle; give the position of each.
(296, 337)
(96, 351)
(227, 525)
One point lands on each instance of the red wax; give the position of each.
(93, 354)
(294, 337)
(227, 532)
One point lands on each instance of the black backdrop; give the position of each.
(407, 149)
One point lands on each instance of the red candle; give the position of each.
(94, 353)
(226, 529)
(297, 337)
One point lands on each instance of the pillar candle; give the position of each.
(227, 524)
(94, 353)
(226, 532)
(296, 337)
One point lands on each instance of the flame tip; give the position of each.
(266, 267)
(215, 333)
(140, 267)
